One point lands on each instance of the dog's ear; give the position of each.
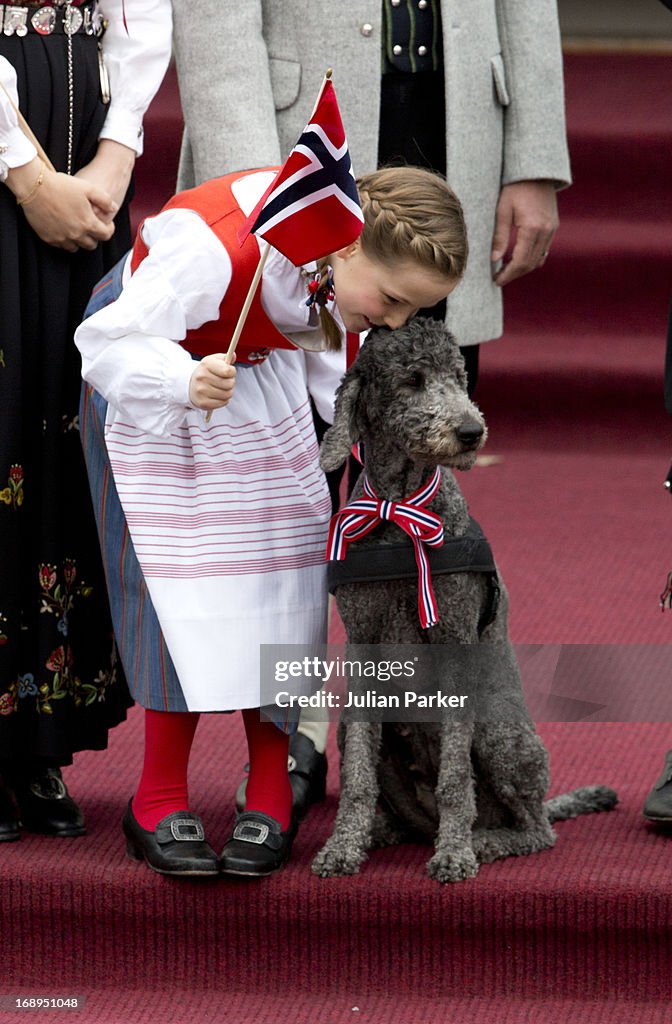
(339, 438)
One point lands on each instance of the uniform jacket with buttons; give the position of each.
(250, 72)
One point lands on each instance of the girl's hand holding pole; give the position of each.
(212, 382)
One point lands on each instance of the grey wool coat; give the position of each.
(250, 70)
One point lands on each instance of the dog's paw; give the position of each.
(334, 859)
(452, 865)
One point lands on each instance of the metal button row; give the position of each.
(397, 49)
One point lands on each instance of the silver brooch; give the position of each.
(44, 20)
(72, 20)
(15, 21)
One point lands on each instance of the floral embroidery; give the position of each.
(58, 598)
(70, 424)
(60, 592)
(8, 701)
(13, 493)
(27, 686)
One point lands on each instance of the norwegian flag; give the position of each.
(311, 207)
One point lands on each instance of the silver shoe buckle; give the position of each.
(55, 786)
(186, 830)
(251, 832)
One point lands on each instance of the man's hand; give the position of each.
(212, 383)
(525, 222)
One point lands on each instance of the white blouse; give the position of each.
(129, 348)
(136, 62)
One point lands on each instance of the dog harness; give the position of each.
(425, 553)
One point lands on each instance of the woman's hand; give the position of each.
(212, 383)
(62, 210)
(110, 170)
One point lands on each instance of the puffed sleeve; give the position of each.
(129, 349)
(137, 49)
(15, 149)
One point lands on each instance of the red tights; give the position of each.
(163, 785)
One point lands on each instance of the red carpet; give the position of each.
(589, 919)
(582, 529)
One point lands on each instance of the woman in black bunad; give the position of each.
(83, 78)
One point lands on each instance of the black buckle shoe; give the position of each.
(307, 776)
(658, 806)
(177, 846)
(9, 817)
(258, 846)
(46, 807)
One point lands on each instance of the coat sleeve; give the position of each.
(224, 75)
(535, 142)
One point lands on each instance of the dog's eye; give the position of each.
(415, 380)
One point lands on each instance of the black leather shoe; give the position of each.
(9, 817)
(177, 846)
(46, 807)
(258, 846)
(307, 776)
(658, 806)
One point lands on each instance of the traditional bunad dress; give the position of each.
(61, 684)
(213, 533)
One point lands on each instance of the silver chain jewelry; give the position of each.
(71, 83)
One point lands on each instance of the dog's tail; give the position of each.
(586, 800)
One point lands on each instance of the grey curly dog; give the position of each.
(473, 784)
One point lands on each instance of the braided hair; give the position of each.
(413, 214)
(410, 215)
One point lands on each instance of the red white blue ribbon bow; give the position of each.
(423, 527)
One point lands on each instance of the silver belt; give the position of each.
(45, 19)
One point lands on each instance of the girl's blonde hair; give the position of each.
(410, 214)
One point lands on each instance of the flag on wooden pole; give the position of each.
(311, 207)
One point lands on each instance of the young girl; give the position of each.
(214, 532)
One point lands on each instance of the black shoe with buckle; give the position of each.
(658, 806)
(45, 806)
(307, 776)
(9, 817)
(177, 846)
(258, 846)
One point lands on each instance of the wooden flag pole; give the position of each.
(246, 305)
(258, 272)
(243, 313)
(327, 78)
(27, 131)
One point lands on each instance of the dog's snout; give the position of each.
(469, 432)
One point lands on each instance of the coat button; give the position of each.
(366, 29)
(422, 4)
(422, 50)
(395, 3)
(396, 50)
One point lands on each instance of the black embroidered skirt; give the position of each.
(61, 685)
